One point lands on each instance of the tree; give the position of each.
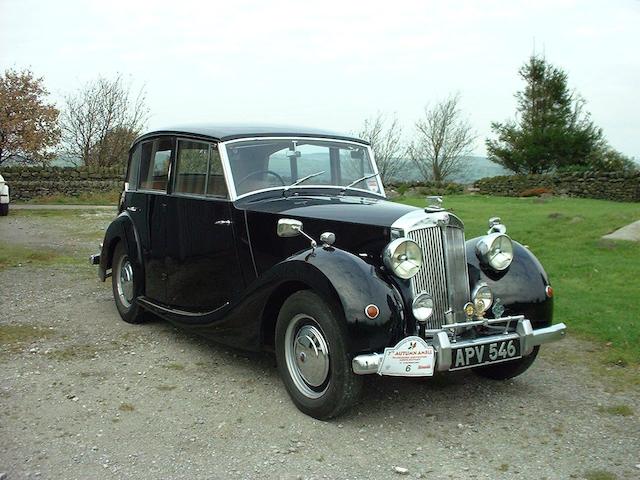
(552, 129)
(100, 121)
(28, 124)
(385, 139)
(443, 140)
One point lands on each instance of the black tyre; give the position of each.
(125, 287)
(4, 209)
(311, 351)
(507, 370)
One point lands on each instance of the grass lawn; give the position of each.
(94, 198)
(596, 283)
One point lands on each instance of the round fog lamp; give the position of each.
(422, 307)
(482, 298)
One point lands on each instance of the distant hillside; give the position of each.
(478, 167)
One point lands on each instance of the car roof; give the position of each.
(230, 131)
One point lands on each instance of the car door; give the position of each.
(202, 261)
(148, 209)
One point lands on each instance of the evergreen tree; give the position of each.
(551, 129)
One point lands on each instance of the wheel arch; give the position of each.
(122, 229)
(273, 306)
(347, 284)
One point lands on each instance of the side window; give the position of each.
(191, 167)
(134, 166)
(216, 185)
(154, 164)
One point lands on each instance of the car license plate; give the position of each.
(494, 352)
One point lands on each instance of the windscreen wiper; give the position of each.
(303, 179)
(355, 182)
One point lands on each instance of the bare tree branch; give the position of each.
(384, 135)
(100, 121)
(443, 140)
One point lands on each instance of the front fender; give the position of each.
(521, 288)
(343, 278)
(121, 229)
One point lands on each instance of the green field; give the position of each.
(94, 198)
(596, 282)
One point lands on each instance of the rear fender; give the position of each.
(121, 229)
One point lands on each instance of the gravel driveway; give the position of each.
(85, 395)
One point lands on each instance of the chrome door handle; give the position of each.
(133, 209)
(223, 222)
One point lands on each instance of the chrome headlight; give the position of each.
(482, 298)
(422, 307)
(495, 250)
(403, 257)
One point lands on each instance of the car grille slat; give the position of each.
(455, 258)
(445, 265)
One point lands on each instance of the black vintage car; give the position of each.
(275, 238)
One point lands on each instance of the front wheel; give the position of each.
(125, 286)
(507, 370)
(312, 357)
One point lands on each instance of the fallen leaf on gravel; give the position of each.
(401, 470)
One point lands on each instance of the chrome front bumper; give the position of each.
(529, 338)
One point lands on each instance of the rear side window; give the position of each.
(154, 164)
(134, 167)
(191, 167)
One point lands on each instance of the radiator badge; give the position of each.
(497, 309)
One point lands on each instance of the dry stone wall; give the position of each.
(27, 183)
(618, 186)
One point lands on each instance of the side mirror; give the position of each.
(288, 227)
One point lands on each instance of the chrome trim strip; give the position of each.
(226, 169)
(146, 303)
(529, 338)
(253, 258)
(376, 171)
(305, 186)
(418, 218)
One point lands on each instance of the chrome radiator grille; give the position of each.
(444, 273)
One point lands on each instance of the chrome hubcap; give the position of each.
(125, 281)
(307, 356)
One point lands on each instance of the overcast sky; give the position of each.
(330, 64)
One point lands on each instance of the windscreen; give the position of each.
(272, 163)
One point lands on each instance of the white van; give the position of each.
(4, 198)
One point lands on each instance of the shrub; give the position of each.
(535, 192)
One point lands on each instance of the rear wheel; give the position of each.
(507, 370)
(4, 209)
(125, 286)
(312, 356)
